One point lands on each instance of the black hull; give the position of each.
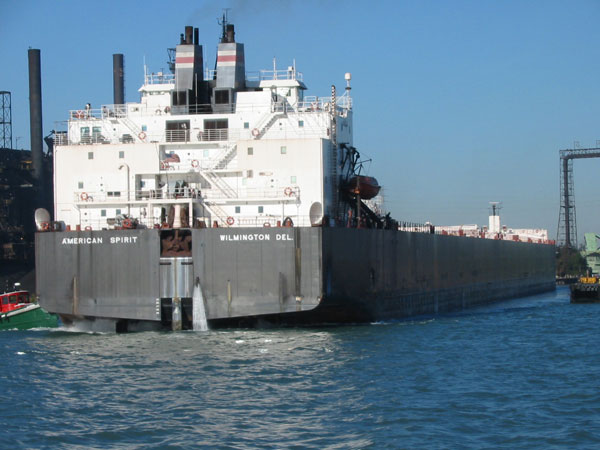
(284, 275)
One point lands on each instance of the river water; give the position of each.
(519, 374)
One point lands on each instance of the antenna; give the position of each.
(223, 22)
(496, 207)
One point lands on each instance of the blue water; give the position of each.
(519, 374)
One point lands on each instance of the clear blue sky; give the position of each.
(458, 102)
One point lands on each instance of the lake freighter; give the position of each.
(237, 194)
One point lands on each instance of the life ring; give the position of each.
(80, 114)
(288, 191)
(267, 225)
(288, 222)
(164, 165)
(255, 132)
(45, 226)
(127, 223)
(167, 109)
(88, 228)
(84, 197)
(195, 163)
(230, 220)
(142, 135)
(158, 112)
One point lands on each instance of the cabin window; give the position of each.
(90, 155)
(250, 151)
(260, 209)
(301, 123)
(283, 150)
(237, 209)
(80, 185)
(250, 174)
(205, 153)
(85, 135)
(5, 301)
(222, 97)
(177, 130)
(13, 300)
(293, 179)
(121, 154)
(246, 125)
(117, 212)
(215, 130)
(103, 212)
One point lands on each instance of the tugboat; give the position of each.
(586, 290)
(17, 311)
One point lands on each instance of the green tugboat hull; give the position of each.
(32, 316)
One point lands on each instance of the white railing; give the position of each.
(289, 194)
(160, 78)
(260, 75)
(261, 221)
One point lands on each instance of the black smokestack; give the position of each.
(196, 37)
(118, 79)
(230, 33)
(35, 112)
(189, 31)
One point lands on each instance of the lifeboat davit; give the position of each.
(366, 187)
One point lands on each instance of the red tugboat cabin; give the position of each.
(13, 300)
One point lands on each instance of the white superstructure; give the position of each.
(205, 148)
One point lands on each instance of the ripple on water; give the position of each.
(514, 375)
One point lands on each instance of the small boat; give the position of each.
(586, 290)
(366, 187)
(17, 311)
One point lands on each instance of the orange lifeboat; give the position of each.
(366, 187)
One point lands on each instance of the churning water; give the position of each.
(519, 374)
(199, 322)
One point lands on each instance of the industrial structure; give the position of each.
(567, 223)
(5, 120)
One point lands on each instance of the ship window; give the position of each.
(117, 212)
(222, 97)
(215, 130)
(293, 179)
(301, 123)
(80, 185)
(121, 154)
(90, 155)
(205, 153)
(250, 173)
(237, 209)
(144, 128)
(250, 151)
(103, 212)
(246, 125)
(283, 150)
(260, 209)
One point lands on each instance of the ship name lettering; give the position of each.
(84, 240)
(245, 237)
(123, 239)
(254, 237)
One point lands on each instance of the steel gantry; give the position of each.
(567, 224)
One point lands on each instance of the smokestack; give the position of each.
(196, 37)
(35, 113)
(118, 80)
(230, 33)
(189, 31)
